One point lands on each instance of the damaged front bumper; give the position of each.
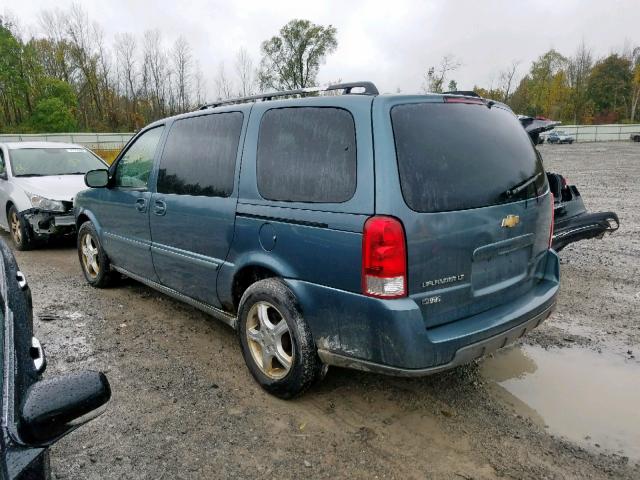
(573, 223)
(44, 223)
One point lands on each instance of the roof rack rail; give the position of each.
(369, 89)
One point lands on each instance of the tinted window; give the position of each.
(307, 155)
(458, 156)
(3, 169)
(199, 157)
(135, 166)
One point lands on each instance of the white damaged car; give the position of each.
(38, 182)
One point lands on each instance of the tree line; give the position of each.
(68, 78)
(578, 89)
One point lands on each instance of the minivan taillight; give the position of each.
(384, 258)
(553, 218)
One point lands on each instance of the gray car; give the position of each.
(558, 136)
(38, 182)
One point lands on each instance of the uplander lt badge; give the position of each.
(442, 281)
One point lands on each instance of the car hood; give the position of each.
(55, 187)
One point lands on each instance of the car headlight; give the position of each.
(45, 203)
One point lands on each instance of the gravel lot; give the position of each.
(184, 405)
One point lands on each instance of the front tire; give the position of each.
(276, 342)
(93, 259)
(20, 231)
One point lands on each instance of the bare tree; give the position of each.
(198, 89)
(436, 76)
(507, 79)
(86, 54)
(245, 72)
(54, 49)
(578, 70)
(224, 87)
(634, 59)
(155, 73)
(181, 60)
(126, 55)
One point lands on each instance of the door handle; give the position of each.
(159, 207)
(141, 204)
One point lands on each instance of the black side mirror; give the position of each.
(97, 178)
(57, 406)
(3, 175)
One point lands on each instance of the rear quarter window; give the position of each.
(456, 156)
(307, 154)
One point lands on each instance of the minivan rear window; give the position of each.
(307, 154)
(457, 156)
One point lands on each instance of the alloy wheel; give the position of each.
(16, 230)
(269, 340)
(90, 260)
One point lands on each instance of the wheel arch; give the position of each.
(87, 216)
(247, 276)
(236, 275)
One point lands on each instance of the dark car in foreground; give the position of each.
(36, 412)
(357, 230)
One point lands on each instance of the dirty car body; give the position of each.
(41, 179)
(36, 412)
(572, 221)
(394, 261)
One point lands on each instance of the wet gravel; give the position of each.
(184, 405)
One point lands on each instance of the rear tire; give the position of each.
(20, 231)
(276, 342)
(93, 259)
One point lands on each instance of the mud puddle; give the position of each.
(587, 397)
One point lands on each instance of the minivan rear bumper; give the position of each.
(462, 356)
(389, 336)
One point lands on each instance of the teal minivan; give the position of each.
(400, 234)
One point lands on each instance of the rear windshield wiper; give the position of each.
(31, 175)
(521, 186)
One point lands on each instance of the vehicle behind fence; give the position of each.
(600, 133)
(106, 145)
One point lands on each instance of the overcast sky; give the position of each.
(389, 42)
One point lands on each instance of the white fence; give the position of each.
(600, 133)
(94, 141)
(115, 141)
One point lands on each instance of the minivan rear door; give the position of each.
(463, 177)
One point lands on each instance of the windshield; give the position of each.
(456, 156)
(31, 162)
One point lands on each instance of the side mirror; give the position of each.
(57, 406)
(4, 176)
(97, 178)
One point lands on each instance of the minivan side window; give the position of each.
(135, 166)
(199, 156)
(307, 154)
(3, 168)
